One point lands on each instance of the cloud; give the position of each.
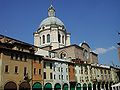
(104, 50)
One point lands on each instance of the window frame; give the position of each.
(16, 69)
(48, 38)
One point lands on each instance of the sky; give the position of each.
(95, 21)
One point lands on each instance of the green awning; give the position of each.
(57, 86)
(65, 87)
(48, 85)
(78, 85)
(89, 85)
(37, 85)
(72, 88)
(84, 85)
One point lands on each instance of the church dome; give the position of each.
(51, 19)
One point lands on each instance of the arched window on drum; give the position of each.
(48, 38)
(43, 39)
(63, 39)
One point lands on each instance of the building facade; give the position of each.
(16, 66)
(56, 73)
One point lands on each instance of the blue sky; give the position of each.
(95, 21)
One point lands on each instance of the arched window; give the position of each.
(63, 39)
(43, 39)
(86, 54)
(62, 55)
(48, 38)
(59, 38)
(40, 40)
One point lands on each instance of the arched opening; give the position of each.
(48, 38)
(110, 86)
(57, 86)
(65, 86)
(59, 38)
(48, 86)
(10, 86)
(63, 39)
(40, 40)
(98, 86)
(24, 86)
(84, 86)
(62, 55)
(89, 86)
(72, 87)
(103, 85)
(43, 39)
(94, 86)
(106, 86)
(78, 86)
(37, 86)
(86, 54)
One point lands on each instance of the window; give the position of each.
(59, 77)
(6, 68)
(40, 40)
(62, 55)
(86, 55)
(54, 68)
(50, 75)
(66, 70)
(81, 70)
(39, 71)
(48, 38)
(50, 65)
(59, 38)
(16, 69)
(25, 71)
(54, 76)
(39, 60)
(44, 75)
(62, 77)
(12, 55)
(63, 39)
(61, 69)
(101, 71)
(105, 71)
(66, 77)
(44, 64)
(86, 70)
(43, 39)
(34, 71)
(16, 56)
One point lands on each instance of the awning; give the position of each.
(115, 85)
(48, 85)
(37, 85)
(57, 86)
